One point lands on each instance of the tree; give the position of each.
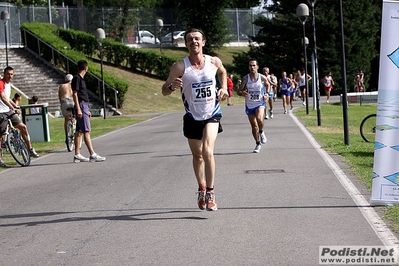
(280, 38)
(208, 16)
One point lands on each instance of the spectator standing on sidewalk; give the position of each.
(195, 76)
(230, 86)
(256, 93)
(83, 114)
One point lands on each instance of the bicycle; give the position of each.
(367, 128)
(12, 142)
(70, 131)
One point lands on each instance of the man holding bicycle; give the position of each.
(8, 108)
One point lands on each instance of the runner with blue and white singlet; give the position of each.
(195, 76)
(255, 87)
(285, 90)
(273, 84)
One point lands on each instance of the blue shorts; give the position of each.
(252, 111)
(271, 95)
(285, 92)
(83, 124)
(293, 92)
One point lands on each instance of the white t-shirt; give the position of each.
(7, 89)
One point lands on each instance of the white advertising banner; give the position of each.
(385, 186)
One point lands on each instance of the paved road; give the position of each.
(139, 207)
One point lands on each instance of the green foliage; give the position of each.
(116, 53)
(48, 33)
(78, 40)
(207, 15)
(281, 36)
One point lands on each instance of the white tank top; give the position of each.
(301, 80)
(199, 92)
(256, 92)
(7, 90)
(327, 81)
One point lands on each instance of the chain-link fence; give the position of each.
(89, 19)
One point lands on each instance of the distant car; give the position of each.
(144, 36)
(178, 37)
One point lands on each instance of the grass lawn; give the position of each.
(359, 155)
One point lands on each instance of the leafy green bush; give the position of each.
(80, 45)
(147, 62)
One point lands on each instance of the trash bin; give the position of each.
(37, 123)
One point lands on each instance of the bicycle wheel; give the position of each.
(18, 148)
(367, 128)
(70, 135)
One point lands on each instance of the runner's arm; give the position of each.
(241, 91)
(174, 80)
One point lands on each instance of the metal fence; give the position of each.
(89, 19)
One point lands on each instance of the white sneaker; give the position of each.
(267, 117)
(271, 114)
(79, 158)
(257, 149)
(263, 138)
(96, 158)
(304, 103)
(285, 111)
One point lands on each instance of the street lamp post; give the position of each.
(316, 77)
(100, 35)
(160, 26)
(5, 16)
(343, 73)
(302, 11)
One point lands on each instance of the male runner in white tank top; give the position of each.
(302, 85)
(195, 76)
(255, 87)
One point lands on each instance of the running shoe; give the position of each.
(285, 111)
(327, 101)
(304, 103)
(271, 114)
(266, 116)
(96, 158)
(79, 158)
(33, 153)
(263, 138)
(210, 201)
(2, 164)
(257, 149)
(292, 107)
(201, 200)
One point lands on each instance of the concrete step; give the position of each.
(35, 77)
